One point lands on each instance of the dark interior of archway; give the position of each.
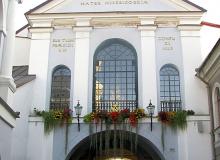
(144, 151)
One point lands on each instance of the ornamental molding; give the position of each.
(211, 65)
(82, 28)
(41, 29)
(99, 19)
(8, 82)
(189, 27)
(147, 27)
(141, 14)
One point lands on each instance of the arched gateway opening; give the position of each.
(134, 147)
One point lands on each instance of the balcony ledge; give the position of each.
(145, 120)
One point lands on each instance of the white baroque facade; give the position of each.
(149, 36)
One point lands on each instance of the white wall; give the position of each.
(196, 97)
(22, 102)
(199, 144)
(22, 51)
(5, 140)
(38, 65)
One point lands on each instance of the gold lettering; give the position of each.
(63, 44)
(114, 2)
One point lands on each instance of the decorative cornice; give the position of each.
(9, 82)
(189, 27)
(139, 14)
(147, 27)
(211, 64)
(82, 28)
(41, 29)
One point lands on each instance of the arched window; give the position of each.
(170, 95)
(115, 76)
(60, 88)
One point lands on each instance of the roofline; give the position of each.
(22, 28)
(210, 24)
(195, 5)
(37, 7)
(116, 13)
(48, 1)
(198, 70)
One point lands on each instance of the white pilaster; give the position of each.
(81, 66)
(2, 39)
(194, 90)
(7, 85)
(9, 44)
(38, 64)
(148, 61)
(40, 148)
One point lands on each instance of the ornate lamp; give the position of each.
(150, 109)
(78, 110)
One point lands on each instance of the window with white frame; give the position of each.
(170, 94)
(115, 76)
(60, 88)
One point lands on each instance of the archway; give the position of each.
(145, 150)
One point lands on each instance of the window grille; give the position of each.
(60, 88)
(170, 94)
(115, 76)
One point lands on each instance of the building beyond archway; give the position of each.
(145, 150)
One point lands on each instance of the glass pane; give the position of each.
(117, 74)
(169, 88)
(60, 88)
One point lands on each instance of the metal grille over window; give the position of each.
(60, 88)
(115, 76)
(170, 95)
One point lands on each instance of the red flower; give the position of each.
(114, 116)
(132, 119)
(67, 113)
(163, 117)
(125, 113)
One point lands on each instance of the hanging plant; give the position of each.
(179, 120)
(176, 120)
(54, 118)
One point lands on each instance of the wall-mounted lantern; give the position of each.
(150, 109)
(78, 110)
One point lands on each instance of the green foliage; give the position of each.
(50, 121)
(53, 118)
(87, 118)
(176, 120)
(190, 112)
(179, 120)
